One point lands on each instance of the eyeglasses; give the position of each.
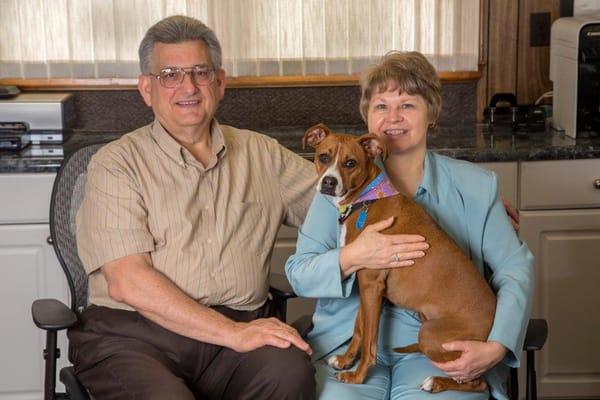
(172, 77)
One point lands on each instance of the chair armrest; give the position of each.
(280, 287)
(51, 314)
(537, 333)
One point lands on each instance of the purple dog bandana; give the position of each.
(378, 188)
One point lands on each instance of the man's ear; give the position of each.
(220, 81)
(315, 135)
(371, 144)
(145, 89)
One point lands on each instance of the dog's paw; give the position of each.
(434, 384)
(334, 362)
(427, 384)
(352, 377)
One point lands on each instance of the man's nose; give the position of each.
(189, 83)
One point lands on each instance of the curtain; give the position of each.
(99, 38)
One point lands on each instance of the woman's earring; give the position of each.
(432, 125)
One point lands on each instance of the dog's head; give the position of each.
(344, 162)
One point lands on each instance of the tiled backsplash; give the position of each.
(263, 108)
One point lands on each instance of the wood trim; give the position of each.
(482, 84)
(240, 82)
(533, 68)
(503, 30)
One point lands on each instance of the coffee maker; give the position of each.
(575, 73)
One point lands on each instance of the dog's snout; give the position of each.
(329, 183)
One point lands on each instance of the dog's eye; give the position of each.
(324, 158)
(349, 163)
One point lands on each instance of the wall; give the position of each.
(262, 108)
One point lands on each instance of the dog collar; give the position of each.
(378, 188)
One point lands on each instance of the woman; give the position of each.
(401, 99)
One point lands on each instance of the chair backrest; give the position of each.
(67, 194)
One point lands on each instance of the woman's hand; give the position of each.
(513, 214)
(375, 250)
(476, 358)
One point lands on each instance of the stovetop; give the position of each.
(16, 138)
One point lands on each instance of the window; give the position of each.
(99, 38)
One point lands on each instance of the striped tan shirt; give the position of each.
(210, 230)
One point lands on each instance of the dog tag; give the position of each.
(362, 218)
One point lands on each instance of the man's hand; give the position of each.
(513, 214)
(477, 357)
(252, 335)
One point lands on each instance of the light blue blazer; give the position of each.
(464, 200)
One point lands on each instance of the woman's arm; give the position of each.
(314, 270)
(320, 269)
(512, 279)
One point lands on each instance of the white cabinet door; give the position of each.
(507, 179)
(28, 270)
(566, 245)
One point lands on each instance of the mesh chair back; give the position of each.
(67, 195)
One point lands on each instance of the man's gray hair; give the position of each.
(178, 29)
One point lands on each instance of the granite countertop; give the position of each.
(476, 143)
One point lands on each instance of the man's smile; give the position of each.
(186, 103)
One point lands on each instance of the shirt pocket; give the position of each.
(249, 229)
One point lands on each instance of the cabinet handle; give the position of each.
(597, 183)
(49, 240)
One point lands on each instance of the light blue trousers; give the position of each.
(395, 376)
(398, 381)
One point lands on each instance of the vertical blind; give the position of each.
(99, 38)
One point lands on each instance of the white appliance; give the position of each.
(575, 73)
(42, 117)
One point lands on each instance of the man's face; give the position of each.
(187, 106)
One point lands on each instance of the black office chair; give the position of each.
(52, 315)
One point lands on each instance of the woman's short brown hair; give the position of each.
(405, 71)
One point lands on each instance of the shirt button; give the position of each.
(212, 274)
(206, 207)
(209, 241)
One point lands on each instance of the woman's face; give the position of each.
(399, 119)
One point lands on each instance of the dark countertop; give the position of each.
(471, 143)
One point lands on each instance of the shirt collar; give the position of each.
(430, 177)
(179, 153)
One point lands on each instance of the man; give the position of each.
(175, 232)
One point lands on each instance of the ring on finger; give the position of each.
(396, 258)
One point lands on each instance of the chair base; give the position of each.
(75, 389)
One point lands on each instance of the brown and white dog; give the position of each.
(452, 297)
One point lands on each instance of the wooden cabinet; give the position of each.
(29, 270)
(560, 222)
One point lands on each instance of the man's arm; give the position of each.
(133, 280)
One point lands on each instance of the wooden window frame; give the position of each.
(232, 82)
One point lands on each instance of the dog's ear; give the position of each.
(315, 135)
(370, 142)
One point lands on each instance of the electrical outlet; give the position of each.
(539, 29)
